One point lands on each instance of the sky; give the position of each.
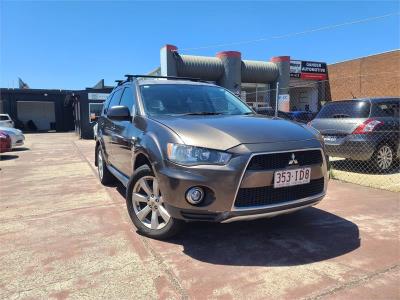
(73, 44)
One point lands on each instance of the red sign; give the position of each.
(313, 76)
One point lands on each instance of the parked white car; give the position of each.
(6, 121)
(16, 135)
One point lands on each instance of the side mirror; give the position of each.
(120, 113)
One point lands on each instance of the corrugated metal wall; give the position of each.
(211, 68)
(207, 68)
(259, 71)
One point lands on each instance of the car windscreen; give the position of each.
(4, 118)
(348, 109)
(186, 99)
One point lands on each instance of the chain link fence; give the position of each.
(361, 135)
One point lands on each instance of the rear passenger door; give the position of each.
(109, 127)
(125, 133)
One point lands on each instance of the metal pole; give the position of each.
(257, 93)
(276, 99)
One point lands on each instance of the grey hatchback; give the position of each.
(363, 130)
(188, 150)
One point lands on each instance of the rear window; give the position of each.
(4, 118)
(350, 109)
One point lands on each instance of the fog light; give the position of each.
(195, 195)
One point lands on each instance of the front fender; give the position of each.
(153, 143)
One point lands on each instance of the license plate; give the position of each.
(292, 177)
(330, 138)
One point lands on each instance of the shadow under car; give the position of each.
(303, 237)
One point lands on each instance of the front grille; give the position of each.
(268, 195)
(281, 160)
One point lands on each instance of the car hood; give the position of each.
(223, 132)
(10, 130)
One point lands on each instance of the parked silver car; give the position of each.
(16, 135)
(6, 121)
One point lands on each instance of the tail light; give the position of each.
(367, 127)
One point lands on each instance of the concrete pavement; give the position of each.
(63, 235)
(362, 173)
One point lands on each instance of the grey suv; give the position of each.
(188, 150)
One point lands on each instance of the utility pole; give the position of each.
(276, 99)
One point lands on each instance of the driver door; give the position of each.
(109, 129)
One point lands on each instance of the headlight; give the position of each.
(190, 155)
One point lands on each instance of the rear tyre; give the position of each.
(383, 158)
(105, 175)
(146, 206)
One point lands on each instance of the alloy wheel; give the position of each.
(384, 157)
(148, 203)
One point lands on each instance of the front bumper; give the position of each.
(244, 215)
(223, 182)
(19, 140)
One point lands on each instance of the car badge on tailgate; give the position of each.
(293, 161)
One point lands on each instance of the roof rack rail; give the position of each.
(119, 82)
(130, 77)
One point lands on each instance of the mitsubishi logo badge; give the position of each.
(293, 161)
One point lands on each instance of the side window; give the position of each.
(386, 109)
(128, 98)
(115, 98)
(106, 103)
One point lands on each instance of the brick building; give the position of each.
(371, 76)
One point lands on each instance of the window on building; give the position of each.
(95, 111)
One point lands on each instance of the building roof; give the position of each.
(380, 53)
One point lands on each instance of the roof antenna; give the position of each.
(354, 97)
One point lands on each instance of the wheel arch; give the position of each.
(141, 159)
(387, 141)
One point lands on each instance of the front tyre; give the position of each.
(146, 206)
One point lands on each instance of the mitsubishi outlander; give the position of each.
(188, 150)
